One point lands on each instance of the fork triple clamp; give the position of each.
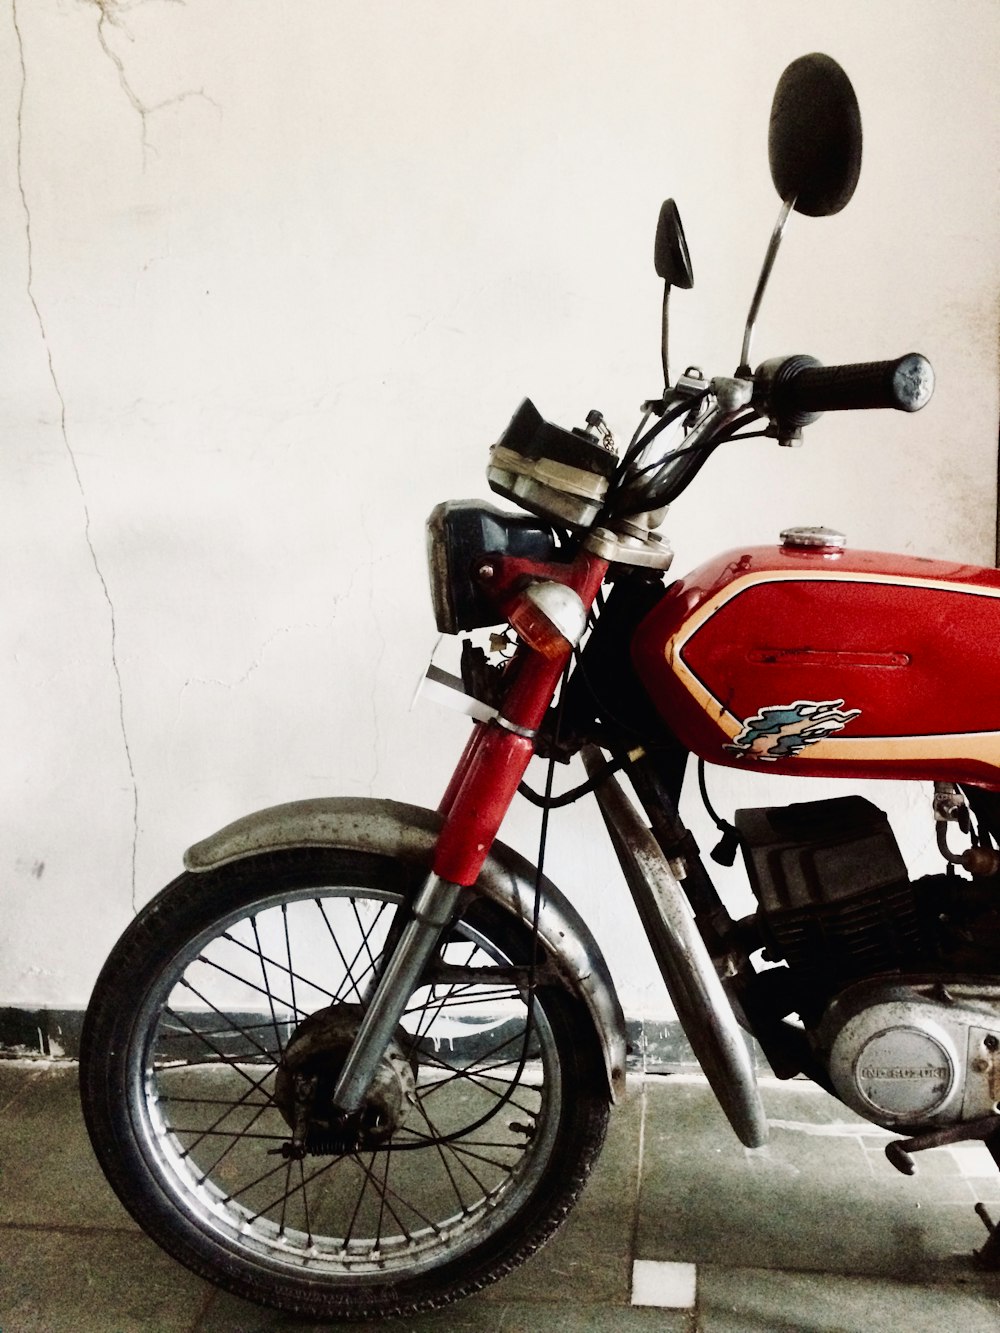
(987, 1129)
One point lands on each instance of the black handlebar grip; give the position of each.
(799, 385)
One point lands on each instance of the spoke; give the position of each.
(363, 948)
(236, 976)
(225, 1133)
(228, 1061)
(237, 1137)
(231, 1106)
(445, 1163)
(230, 1026)
(389, 1195)
(288, 951)
(275, 1170)
(233, 1027)
(282, 967)
(382, 1203)
(267, 986)
(461, 1150)
(305, 1202)
(349, 966)
(209, 1101)
(466, 995)
(285, 1197)
(366, 1175)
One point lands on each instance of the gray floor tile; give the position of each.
(759, 1301)
(813, 1233)
(88, 1282)
(48, 1174)
(228, 1315)
(809, 1200)
(584, 1273)
(590, 1258)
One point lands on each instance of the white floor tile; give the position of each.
(973, 1158)
(670, 1286)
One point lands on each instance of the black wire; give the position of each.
(542, 840)
(637, 445)
(533, 965)
(574, 794)
(721, 824)
(669, 458)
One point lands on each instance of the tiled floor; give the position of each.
(680, 1229)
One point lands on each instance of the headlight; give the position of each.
(462, 535)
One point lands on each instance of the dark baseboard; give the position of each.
(41, 1034)
(655, 1045)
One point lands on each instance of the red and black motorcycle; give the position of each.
(358, 1059)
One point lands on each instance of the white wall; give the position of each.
(274, 276)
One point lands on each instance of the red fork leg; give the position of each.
(497, 755)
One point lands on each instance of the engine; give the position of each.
(893, 979)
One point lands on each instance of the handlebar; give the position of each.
(792, 391)
(795, 388)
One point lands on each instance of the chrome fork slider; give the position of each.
(432, 911)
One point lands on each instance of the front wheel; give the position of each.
(216, 1028)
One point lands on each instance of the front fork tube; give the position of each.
(492, 766)
(474, 805)
(432, 910)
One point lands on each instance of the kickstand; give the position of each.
(986, 1129)
(989, 1256)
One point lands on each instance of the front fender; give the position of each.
(409, 833)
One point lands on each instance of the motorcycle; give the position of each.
(358, 1059)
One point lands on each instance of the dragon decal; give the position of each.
(781, 731)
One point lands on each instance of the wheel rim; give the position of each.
(201, 1074)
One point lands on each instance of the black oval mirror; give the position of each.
(670, 253)
(814, 142)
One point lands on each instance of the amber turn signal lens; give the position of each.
(549, 617)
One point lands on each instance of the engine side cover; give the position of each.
(909, 1056)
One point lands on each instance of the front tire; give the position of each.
(187, 1032)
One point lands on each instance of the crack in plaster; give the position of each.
(258, 660)
(64, 431)
(111, 12)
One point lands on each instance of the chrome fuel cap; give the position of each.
(813, 537)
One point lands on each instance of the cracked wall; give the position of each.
(271, 289)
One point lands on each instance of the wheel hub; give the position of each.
(307, 1076)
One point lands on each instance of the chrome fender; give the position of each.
(409, 833)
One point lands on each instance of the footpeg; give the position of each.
(899, 1151)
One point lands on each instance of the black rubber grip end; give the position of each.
(905, 384)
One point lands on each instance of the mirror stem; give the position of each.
(665, 330)
(758, 296)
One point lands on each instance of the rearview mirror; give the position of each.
(670, 253)
(814, 141)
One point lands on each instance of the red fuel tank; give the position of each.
(830, 663)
